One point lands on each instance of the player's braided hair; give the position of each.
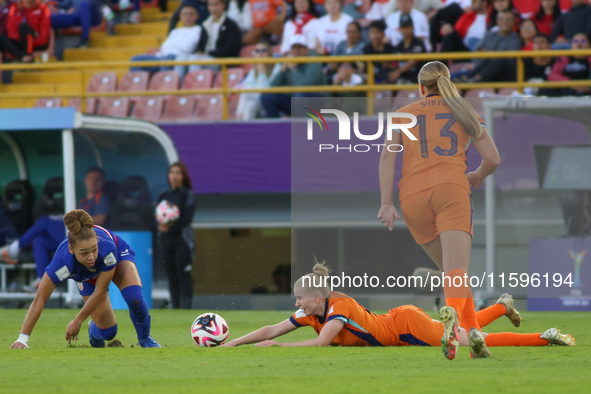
(317, 280)
(79, 224)
(434, 76)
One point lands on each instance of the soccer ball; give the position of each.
(166, 212)
(209, 330)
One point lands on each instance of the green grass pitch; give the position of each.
(49, 366)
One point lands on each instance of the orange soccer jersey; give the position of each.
(403, 326)
(438, 155)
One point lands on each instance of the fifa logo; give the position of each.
(344, 131)
(577, 259)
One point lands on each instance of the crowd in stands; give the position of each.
(211, 29)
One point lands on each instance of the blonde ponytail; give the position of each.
(434, 76)
(317, 281)
(79, 224)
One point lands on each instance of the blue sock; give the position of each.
(104, 334)
(138, 310)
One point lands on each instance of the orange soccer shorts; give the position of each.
(414, 327)
(443, 207)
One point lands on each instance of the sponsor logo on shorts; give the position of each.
(80, 285)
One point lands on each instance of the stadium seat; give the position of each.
(52, 199)
(134, 81)
(75, 102)
(48, 103)
(246, 52)
(165, 80)
(179, 108)
(235, 76)
(19, 198)
(473, 96)
(232, 106)
(153, 51)
(209, 107)
(114, 106)
(100, 82)
(412, 93)
(383, 101)
(148, 108)
(199, 79)
(111, 188)
(132, 209)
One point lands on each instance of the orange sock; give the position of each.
(455, 296)
(513, 339)
(468, 318)
(490, 314)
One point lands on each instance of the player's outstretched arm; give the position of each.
(102, 285)
(327, 335)
(43, 293)
(490, 159)
(388, 212)
(262, 334)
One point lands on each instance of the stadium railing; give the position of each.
(369, 88)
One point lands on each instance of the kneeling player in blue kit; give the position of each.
(93, 257)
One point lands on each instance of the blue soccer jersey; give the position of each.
(65, 266)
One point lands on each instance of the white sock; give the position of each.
(13, 250)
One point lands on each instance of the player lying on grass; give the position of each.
(340, 320)
(93, 257)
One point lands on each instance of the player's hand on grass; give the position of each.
(229, 344)
(387, 215)
(72, 331)
(18, 345)
(475, 179)
(268, 343)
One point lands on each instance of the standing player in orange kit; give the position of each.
(435, 192)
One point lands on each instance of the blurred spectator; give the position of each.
(293, 74)
(577, 20)
(176, 238)
(301, 22)
(502, 39)
(419, 20)
(239, 11)
(49, 231)
(347, 76)
(180, 43)
(353, 45)
(377, 46)
(547, 15)
(469, 30)
(527, 32)
(573, 68)
(537, 69)
(379, 10)
(136, 15)
(268, 17)
(450, 14)
(331, 29)
(249, 104)
(4, 10)
(199, 5)
(408, 71)
(223, 38)
(28, 27)
(83, 13)
(503, 5)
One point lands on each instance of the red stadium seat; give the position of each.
(114, 106)
(209, 107)
(179, 108)
(100, 82)
(148, 108)
(164, 80)
(153, 51)
(134, 81)
(75, 102)
(77, 30)
(507, 92)
(199, 79)
(235, 76)
(48, 103)
(232, 105)
(246, 52)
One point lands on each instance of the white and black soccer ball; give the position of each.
(166, 212)
(209, 330)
